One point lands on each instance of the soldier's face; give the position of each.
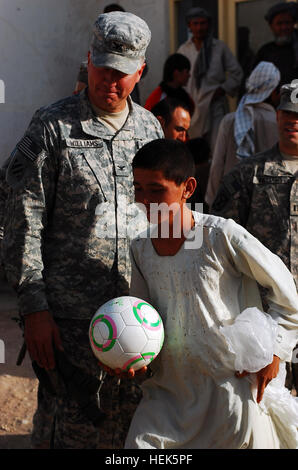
(109, 88)
(288, 131)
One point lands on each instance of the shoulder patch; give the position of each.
(22, 161)
(29, 148)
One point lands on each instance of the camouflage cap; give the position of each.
(289, 97)
(119, 41)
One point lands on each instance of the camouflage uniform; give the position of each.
(262, 195)
(62, 245)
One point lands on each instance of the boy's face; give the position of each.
(152, 189)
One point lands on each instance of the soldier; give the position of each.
(64, 248)
(261, 193)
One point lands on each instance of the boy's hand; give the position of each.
(264, 376)
(130, 374)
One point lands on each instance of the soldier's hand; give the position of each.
(131, 373)
(41, 334)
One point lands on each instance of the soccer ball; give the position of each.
(126, 332)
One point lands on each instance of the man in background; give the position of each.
(174, 117)
(251, 129)
(283, 51)
(176, 73)
(215, 73)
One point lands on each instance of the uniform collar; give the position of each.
(91, 125)
(275, 166)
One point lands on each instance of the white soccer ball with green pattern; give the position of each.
(126, 332)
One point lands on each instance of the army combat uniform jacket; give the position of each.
(65, 246)
(262, 195)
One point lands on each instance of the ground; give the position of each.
(18, 384)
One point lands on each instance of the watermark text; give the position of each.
(295, 356)
(2, 91)
(2, 352)
(158, 220)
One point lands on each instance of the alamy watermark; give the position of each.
(294, 94)
(2, 91)
(132, 220)
(2, 352)
(295, 356)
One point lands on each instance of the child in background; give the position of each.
(194, 398)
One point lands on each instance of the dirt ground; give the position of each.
(18, 384)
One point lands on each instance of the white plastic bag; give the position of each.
(251, 339)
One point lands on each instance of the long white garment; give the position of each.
(224, 71)
(194, 399)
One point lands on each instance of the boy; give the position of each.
(194, 398)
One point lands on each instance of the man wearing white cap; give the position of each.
(62, 246)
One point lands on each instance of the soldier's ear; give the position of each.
(140, 71)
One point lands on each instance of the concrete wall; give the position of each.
(42, 43)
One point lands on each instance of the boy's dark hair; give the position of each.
(174, 62)
(113, 7)
(171, 157)
(167, 106)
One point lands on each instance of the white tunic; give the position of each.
(194, 399)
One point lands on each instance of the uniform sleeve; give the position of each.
(255, 261)
(233, 198)
(31, 179)
(138, 285)
(234, 72)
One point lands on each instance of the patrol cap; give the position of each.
(289, 97)
(282, 7)
(119, 41)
